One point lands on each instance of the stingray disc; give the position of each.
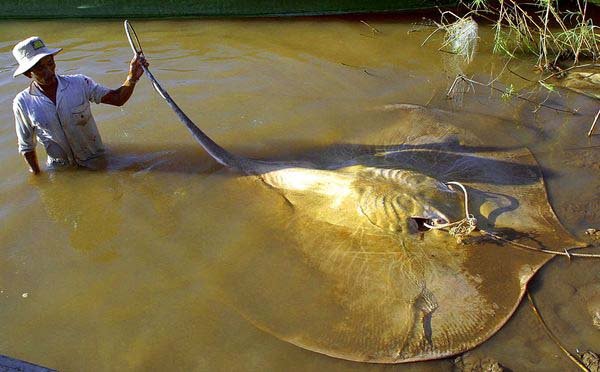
(368, 295)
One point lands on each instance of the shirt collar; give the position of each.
(63, 83)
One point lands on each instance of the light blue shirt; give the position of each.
(67, 130)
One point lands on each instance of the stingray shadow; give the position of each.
(513, 204)
(446, 160)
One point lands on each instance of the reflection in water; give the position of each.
(87, 208)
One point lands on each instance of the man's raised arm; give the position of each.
(119, 96)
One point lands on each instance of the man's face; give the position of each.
(43, 72)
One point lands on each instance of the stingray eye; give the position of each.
(439, 221)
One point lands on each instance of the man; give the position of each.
(55, 109)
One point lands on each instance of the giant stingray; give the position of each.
(397, 291)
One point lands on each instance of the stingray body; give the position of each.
(375, 289)
(397, 295)
(394, 200)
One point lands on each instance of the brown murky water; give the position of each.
(123, 268)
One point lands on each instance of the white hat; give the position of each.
(29, 51)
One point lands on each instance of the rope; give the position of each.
(565, 253)
(463, 228)
(459, 229)
(552, 336)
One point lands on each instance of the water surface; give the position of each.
(123, 269)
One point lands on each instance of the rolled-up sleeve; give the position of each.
(25, 131)
(94, 92)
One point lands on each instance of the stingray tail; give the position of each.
(218, 153)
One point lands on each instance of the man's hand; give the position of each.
(118, 97)
(135, 68)
(31, 159)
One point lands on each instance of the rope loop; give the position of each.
(461, 228)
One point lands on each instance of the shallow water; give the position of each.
(124, 269)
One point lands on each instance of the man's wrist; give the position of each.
(131, 80)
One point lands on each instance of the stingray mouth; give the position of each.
(425, 224)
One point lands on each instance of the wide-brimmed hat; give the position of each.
(29, 51)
